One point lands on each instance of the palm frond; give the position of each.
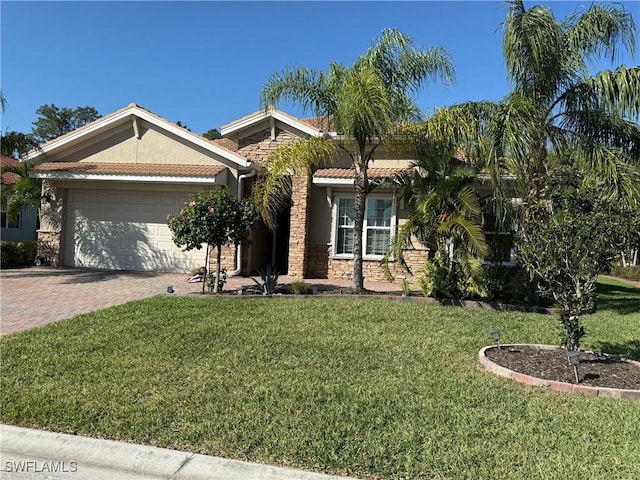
(616, 91)
(272, 191)
(600, 31)
(365, 111)
(467, 232)
(302, 86)
(535, 52)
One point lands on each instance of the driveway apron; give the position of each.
(31, 297)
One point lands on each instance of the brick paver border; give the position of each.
(552, 384)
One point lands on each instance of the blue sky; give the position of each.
(204, 63)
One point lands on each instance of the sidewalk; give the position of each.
(29, 454)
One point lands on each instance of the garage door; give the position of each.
(125, 230)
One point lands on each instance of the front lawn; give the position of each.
(366, 388)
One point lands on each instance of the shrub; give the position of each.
(406, 287)
(300, 288)
(460, 278)
(499, 284)
(567, 239)
(629, 272)
(18, 254)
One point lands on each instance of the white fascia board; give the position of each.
(124, 178)
(258, 117)
(333, 182)
(98, 125)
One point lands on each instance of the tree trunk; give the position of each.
(361, 182)
(216, 285)
(206, 270)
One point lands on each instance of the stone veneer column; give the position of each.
(51, 221)
(49, 247)
(299, 227)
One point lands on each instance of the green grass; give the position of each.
(367, 388)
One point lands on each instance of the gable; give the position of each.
(134, 134)
(152, 145)
(257, 146)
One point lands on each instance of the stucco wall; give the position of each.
(119, 145)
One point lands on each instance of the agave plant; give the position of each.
(268, 283)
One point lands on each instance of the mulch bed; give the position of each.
(594, 370)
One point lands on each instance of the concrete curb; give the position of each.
(551, 384)
(94, 458)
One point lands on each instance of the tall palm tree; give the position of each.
(556, 109)
(364, 103)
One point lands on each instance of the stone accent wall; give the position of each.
(258, 146)
(227, 259)
(49, 247)
(321, 264)
(299, 227)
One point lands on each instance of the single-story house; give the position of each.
(109, 186)
(24, 226)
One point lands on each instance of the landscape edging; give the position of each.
(499, 370)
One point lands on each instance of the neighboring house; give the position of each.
(24, 227)
(110, 185)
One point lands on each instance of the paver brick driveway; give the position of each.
(31, 297)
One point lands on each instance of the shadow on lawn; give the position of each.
(629, 350)
(621, 299)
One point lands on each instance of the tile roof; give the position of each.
(151, 169)
(9, 178)
(319, 123)
(226, 143)
(373, 173)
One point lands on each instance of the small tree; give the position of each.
(215, 218)
(567, 239)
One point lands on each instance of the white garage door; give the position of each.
(125, 230)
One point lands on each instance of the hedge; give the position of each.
(628, 272)
(18, 254)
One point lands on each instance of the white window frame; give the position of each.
(365, 227)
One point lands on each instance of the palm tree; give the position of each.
(444, 210)
(16, 144)
(557, 113)
(364, 103)
(24, 192)
(556, 110)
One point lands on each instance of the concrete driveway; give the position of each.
(30, 297)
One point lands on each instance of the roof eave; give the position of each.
(144, 115)
(125, 178)
(260, 116)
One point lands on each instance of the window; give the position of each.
(379, 221)
(5, 220)
(346, 222)
(500, 242)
